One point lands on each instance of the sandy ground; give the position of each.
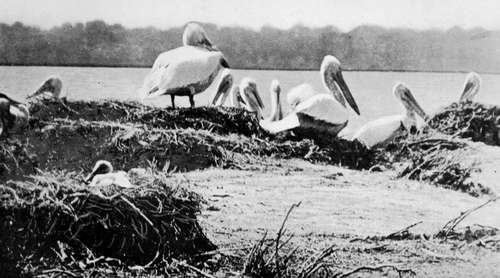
(339, 205)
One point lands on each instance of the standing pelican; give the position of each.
(471, 87)
(186, 70)
(13, 114)
(103, 175)
(383, 130)
(225, 85)
(52, 85)
(319, 111)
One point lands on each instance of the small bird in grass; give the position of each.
(103, 175)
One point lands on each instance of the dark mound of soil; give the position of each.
(15, 160)
(472, 120)
(55, 219)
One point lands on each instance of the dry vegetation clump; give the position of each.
(433, 157)
(55, 220)
(15, 160)
(221, 120)
(472, 120)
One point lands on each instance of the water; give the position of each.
(372, 90)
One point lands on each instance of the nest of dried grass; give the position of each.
(55, 219)
(471, 120)
(15, 160)
(221, 120)
(433, 157)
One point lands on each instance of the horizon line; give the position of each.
(76, 65)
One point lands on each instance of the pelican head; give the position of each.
(52, 85)
(225, 84)
(250, 96)
(333, 79)
(403, 93)
(471, 87)
(194, 35)
(100, 167)
(275, 89)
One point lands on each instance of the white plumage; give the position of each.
(383, 130)
(52, 85)
(186, 70)
(103, 175)
(471, 87)
(321, 111)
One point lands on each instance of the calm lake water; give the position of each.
(372, 90)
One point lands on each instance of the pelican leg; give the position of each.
(191, 96)
(172, 98)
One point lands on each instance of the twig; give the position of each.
(197, 270)
(375, 268)
(450, 225)
(403, 230)
(278, 237)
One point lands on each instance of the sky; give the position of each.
(344, 14)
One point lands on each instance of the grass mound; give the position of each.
(221, 120)
(15, 161)
(56, 219)
(433, 157)
(471, 120)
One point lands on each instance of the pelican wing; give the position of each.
(179, 68)
(379, 131)
(300, 93)
(323, 107)
(291, 121)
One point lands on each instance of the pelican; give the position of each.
(225, 85)
(276, 112)
(13, 114)
(320, 111)
(247, 96)
(53, 86)
(471, 87)
(103, 175)
(187, 70)
(383, 130)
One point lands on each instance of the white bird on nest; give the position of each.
(318, 111)
(380, 131)
(103, 175)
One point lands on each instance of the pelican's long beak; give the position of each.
(346, 91)
(410, 102)
(223, 90)
(46, 86)
(89, 178)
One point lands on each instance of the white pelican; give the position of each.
(186, 70)
(471, 87)
(383, 130)
(53, 86)
(103, 175)
(247, 96)
(225, 84)
(322, 112)
(14, 115)
(276, 112)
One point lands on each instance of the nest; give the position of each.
(435, 158)
(56, 219)
(470, 120)
(15, 161)
(220, 120)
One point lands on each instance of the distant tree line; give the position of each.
(364, 48)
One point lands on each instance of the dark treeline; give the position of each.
(364, 48)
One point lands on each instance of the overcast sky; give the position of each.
(345, 14)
